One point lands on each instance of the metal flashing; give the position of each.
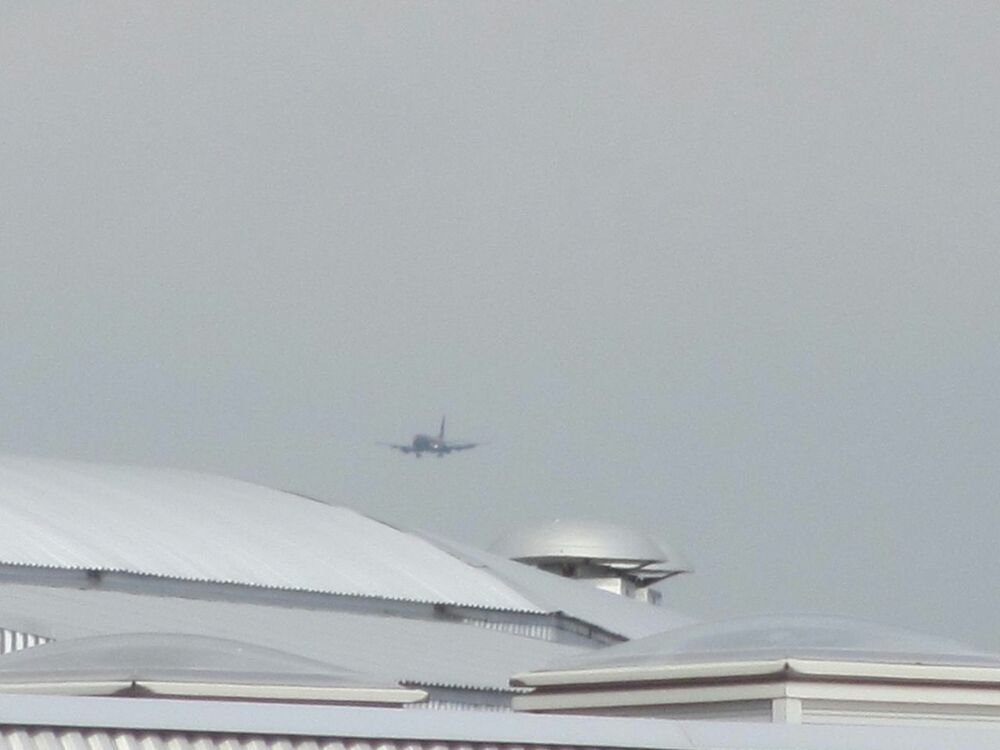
(556, 627)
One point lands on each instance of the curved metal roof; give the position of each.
(169, 656)
(191, 666)
(783, 637)
(192, 526)
(393, 649)
(575, 539)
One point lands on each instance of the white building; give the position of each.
(160, 608)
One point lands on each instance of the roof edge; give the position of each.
(562, 627)
(790, 668)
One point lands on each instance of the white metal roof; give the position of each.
(198, 527)
(72, 723)
(194, 527)
(187, 665)
(160, 655)
(780, 637)
(395, 649)
(784, 669)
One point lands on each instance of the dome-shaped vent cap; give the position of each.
(613, 544)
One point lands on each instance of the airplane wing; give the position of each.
(404, 448)
(461, 446)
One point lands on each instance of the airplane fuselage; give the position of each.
(428, 444)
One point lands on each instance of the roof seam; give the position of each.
(270, 587)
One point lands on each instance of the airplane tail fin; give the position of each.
(441, 434)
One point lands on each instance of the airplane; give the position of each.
(427, 444)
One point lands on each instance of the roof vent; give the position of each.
(610, 556)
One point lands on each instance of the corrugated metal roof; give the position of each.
(191, 527)
(58, 723)
(398, 649)
(56, 738)
(47, 738)
(198, 527)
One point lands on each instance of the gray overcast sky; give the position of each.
(728, 272)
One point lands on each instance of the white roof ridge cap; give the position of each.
(650, 673)
(895, 670)
(792, 666)
(288, 691)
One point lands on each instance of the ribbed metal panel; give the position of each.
(48, 738)
(462, 699)
(180, 525)
(395, 648)
(555, 626)
(15, 640)
(540, 630)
